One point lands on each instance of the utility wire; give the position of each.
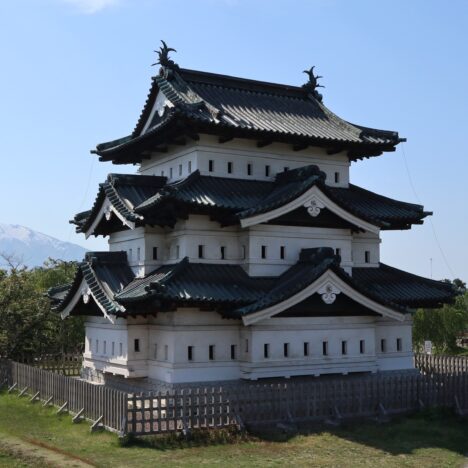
(434, 233)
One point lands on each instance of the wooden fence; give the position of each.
(443, 382)
(452, 365)
(104, 406)
(65, 364)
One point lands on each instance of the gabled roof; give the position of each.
(228, 288)
(239, 200)
(123, 192)
(201, 102)
(102, 274)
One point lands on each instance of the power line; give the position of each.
(434, 233)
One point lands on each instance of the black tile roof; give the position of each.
(236, 199)
(228, 288)
(106, 274)
(225, 105)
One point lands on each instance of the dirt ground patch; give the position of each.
(38, 454)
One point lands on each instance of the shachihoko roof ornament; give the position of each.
(313, 83)
(163, 57)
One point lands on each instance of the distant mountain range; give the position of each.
(32, 248)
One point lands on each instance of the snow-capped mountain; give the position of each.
(32, 248)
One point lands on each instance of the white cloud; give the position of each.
(92, 6)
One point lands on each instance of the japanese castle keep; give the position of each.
(240, 249)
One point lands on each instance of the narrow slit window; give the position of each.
(246, 345)
(130, 254)
(223, 252)
(166, 352)
(162, 173)
(282, 252)
(399, 345)
(362, 346)
(338, 251)
(210, 165)
(267, 171)
(233, 351)
(286, 169)
(266, 350)
(306, 349)
(138, 253)
(113, 348)
(155, 253)
(211, 352)
(136, 345)
(180, 169)
(97, 346)
(120, 349)
(190, 353)
(383, 345)
(105, 347)
(201, 251)
(344, 348)
(249, 169)
(190, 167)
(243, 252)
(170, 173)
(337, 177)
(229, 167)
(155, 353)
(325, 348)
(286, 349)
(178, 251)
(367, 256)
(264, 251)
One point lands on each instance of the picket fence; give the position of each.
(442, 382)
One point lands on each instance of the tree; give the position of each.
(443, 326)
(29, 327)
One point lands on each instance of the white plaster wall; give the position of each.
(362, 242)
(241, 152)
(171, 333)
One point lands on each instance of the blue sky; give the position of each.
(77, 72)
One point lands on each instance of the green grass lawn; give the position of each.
(425, 440)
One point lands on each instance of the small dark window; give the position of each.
(177, 251)
(211, 352)
(190, 353)
(229, 167)
(246, 345)
(338, 251)
(286, 169)
(264, 251)
(325, 348)
(306, 349)
(399, 345)
(367, 256)
(190, 167)
(266, 350)
(170, 173)
(344, 347)
(180, 169)
(136, 345)
(383, 345)
(223, 252)
(200, 251)
(362, 346)
(249, 169)
(243, 252)
(162, 173)
(267, 171)
(210, 165)
(155, 253)
(286, 349)
(282, 252)
(337, 177)
(233, 351)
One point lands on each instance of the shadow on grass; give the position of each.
(439, 428)
(429, 429)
